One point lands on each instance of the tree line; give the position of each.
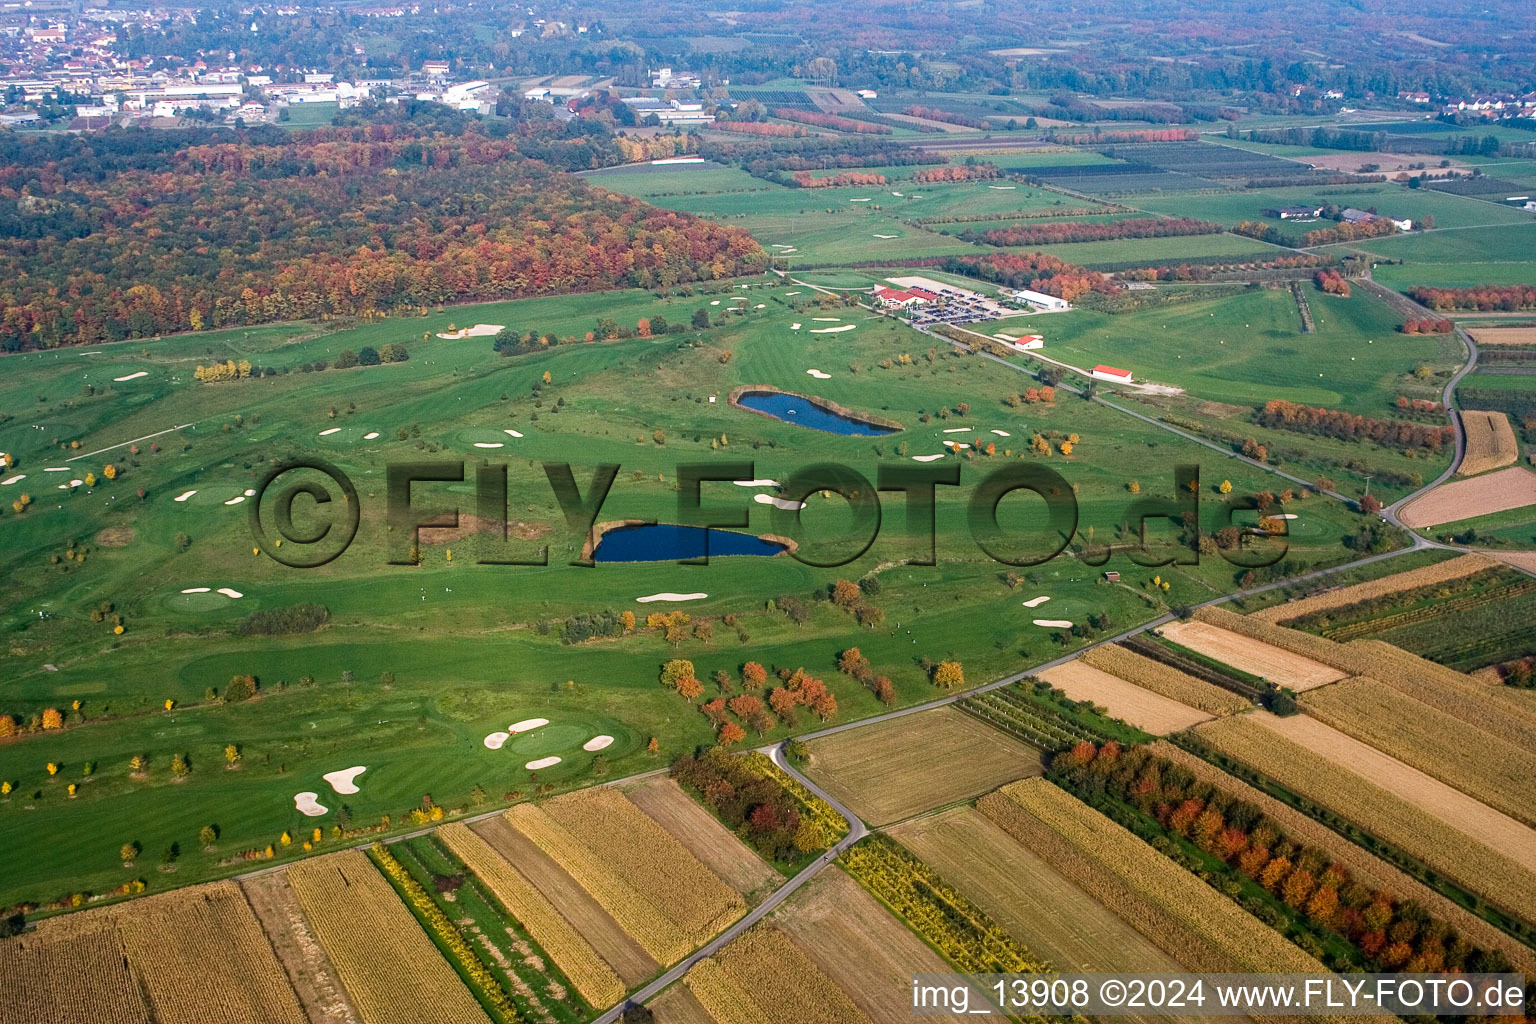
(1079, 231)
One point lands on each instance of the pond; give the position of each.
(796, 409)
(666, 542)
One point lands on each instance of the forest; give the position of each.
(115, 236)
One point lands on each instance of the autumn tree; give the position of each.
(731, 733)
(128, 853)
(52, 719)
(180, 766)
(674, 670)
(208, 835)
(846, 593)
(949, 674)
(7, 726)
(232, 755)
(689, 687)
(753, 676)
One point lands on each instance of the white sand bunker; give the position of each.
(489, 444)
(1002, 433)
(132, 376)
(237, 499)
(477, 331)
(598, 743)
(817, 373)
(543, 762)
(761, 305)
(1286, 515)
(783, 503)
(512, 433)
(309, 804)
(1003, 188)
(1035, 602)
(794, 327)
(328, 433)
(55, 469)
(1054, 623)
(926, 458)
(11, 480)
(887, 236)
(833, 330)
(495, 740)
(828, 319)
(957, 444)
(196, 590)
(527, 725)
(76, 483)
(63, 487)
(714, 302)
(343, 781)
(230, 592)
(860, 200)
(370, 435)
(957, 430)
(250, 492)
(788, 294)
(184, 495)
(667, 595)
(755, 483)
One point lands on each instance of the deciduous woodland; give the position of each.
(252, 229)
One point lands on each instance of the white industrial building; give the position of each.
(1040, 300)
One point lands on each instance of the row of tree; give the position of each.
(1483, 298)
(1036, 271)
(1081, 231)
(1306, 419)
(821, 120)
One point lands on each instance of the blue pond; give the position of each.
(794, 409)
(665, 542)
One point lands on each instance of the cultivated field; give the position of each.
(1197, 925)
(1504, 335)
(1252, 656)
(1164, 680)
(577, 960)
(860, 945)
(293, 940)
(1495, 857)
(658, 891)
(1439, 572)
(764, 977)
(678, 1005)
(389, 966)
(1365, 866)
(594, 924)
(716, 847)
(1480, 764)
(1144, 709)
(895, 769)
(1314, 649)
(1514, 487)
(69, 971)
(1490, 442)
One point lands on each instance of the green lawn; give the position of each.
(1510, 243)
(1229, 208)
(1403, 276)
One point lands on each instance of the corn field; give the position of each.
(1440, 572)
(69, 971)
(588, 972)
(1164, 680)
(764, 978)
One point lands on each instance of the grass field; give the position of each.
(1229, 208)
(1454, 275)
(1505, 243)
(893, 770)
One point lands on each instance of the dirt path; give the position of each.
(309, 969)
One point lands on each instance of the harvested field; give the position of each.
(202, 958)
(1505, 489)
(1125, 700)
(1164, 680)
(1519, 559)
(892, 770)
(763, 976)
(1504, 335)
(585, 914)
(1366, 867)
(1440, 572)
(592, 977)
(1196, 924)
(1490, 442)
(309, 970)
(1313, 648)
(1505, 712)
(1484, 864)
(860, 945)
(69, 971)
(388, 964)
(1480, 764)
(678, 1005)
(716, 846)
(1250, 655)
(657, 891)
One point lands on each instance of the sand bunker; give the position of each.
(957, 444)
(1286, 515)
(833, 330)
(230, 592)
(788, 294)
(489, 444)
(755, 483)
(328, 433)
(132, 376)
(250, 492)
(783, 503)
(237, 499)
(1035, 602)
(370, 435)
(926, 458)
(958, 430)
(597, 743)
(18, 476)
(63, 487)
(477, 331)
(342, 781)
(667, 595)
(817, 373)
(714, 302)
(861, 200)
(887, 236)
(55, 469)
(543, 762)
(527, 725)
(184, 496)
(1054, 623)
(828, 319)
(1003, 188)
(512, 433)
(195, 590)
(495, 740)
(761, 305)
(309, 804)
(76, 482)
(794, 327)
(1002, 433)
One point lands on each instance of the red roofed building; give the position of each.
(901, 298)
(1111, 373)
